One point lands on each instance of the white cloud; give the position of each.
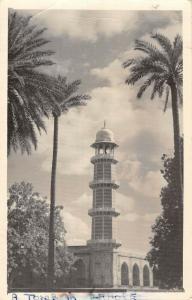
(150, 217)
(130, 217)
(74, 140)
(130, 169)
(87, 25)
(123, 203)
(86, 65)
(74, 236)
(59, 68)
(85, 200)
(145, 219)
(171, 31)
(150, 185)
(114, 73)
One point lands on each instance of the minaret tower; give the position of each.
(103, 185)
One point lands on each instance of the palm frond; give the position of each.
(36, 44)
(164, 43)
(14, 76)
(129, 62)
(30, 93)
(144, 46)
(158, 67)
(15, 31)
(34, 55)
(66, 96)
(158, 88)
(147, 84)
(152, 51)
(21, 37)
(72, 88)
(75, 101)
(138, 72)
(177, 49)
(148, 68)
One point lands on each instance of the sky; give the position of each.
(91, 46)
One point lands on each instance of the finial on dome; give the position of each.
(104, 124)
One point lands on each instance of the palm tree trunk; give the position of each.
(179, 172)
(52, 207)
(177, 141)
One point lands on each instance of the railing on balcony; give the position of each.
(104, 181)
(101, 210)
(103, 156)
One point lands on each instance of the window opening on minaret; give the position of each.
(99, 198)
(94, 198)
(107, 170)
(98, 227)
(93, 229)
(99, 171)
(108, 227)
(107, 197)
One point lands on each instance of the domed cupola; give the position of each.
(104, 135)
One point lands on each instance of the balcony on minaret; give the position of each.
(110, 211)
(103, 183)
(103, 157)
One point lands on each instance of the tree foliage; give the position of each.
(29, 90)
(166, 253)
(28, 224)
(67, 96)
(159, 66)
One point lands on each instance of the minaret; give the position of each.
(103, 186)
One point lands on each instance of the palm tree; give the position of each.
(29, 94)
(161, 67)
(66, 100)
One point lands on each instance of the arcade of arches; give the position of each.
(135, 275)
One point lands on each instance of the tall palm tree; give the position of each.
(161, 68)
(28, 88)
(66, 100)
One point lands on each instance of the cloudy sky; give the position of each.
(91, 46)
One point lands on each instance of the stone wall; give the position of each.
(101, 269)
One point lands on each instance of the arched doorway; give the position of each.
(146, 281)
(124, 274)
(78, 274)
(136, 279)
